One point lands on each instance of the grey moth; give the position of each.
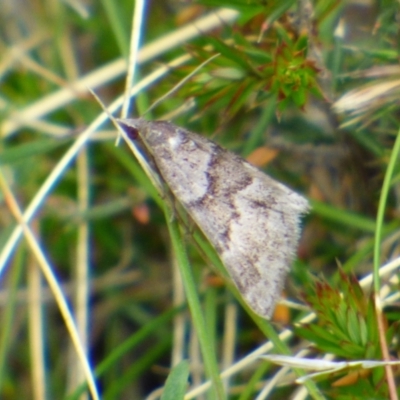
(252, 220)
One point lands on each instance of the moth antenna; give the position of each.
(112, 118)
(180, 84)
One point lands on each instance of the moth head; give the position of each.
(131, 127)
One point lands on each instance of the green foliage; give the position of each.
(346, 320)
(176, 384)
(249, 74)
(346, 327)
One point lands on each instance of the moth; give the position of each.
(252, 220)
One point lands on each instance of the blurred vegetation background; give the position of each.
(306, 90)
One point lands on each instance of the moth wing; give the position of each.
(265, 238)
(251, 219)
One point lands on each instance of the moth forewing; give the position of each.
(252, 220)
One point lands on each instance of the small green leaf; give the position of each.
(231, 54)
(363, 330)
(352, 326)
(177, 381)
